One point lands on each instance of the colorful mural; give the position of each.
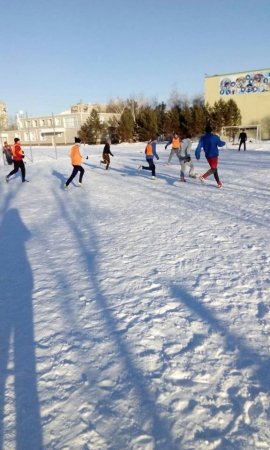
(245, 84)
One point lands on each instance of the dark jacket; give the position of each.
(106, 150)
(242, 136)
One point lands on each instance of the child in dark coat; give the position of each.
(7, 151)
(106, 155)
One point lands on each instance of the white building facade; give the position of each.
(54, 129)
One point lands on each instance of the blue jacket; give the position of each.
(209, 143)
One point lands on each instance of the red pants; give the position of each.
(213, 162)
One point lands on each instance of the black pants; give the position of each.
(214, 172)
(75, 170)
(240, 144)
(151, 167)
(18, 165)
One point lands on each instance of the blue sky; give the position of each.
(55, 53)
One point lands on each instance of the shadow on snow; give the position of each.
(17, 347)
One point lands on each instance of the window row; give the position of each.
(66, 122)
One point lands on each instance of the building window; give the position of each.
(69, 122)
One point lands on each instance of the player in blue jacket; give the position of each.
(210, 142)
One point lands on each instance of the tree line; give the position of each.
(142, 120)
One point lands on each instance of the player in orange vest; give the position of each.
(17, 157)
(175, 141)
(76, 161)
(150, 153)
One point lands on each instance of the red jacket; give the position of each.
(17, 152)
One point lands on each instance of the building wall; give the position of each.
(50, 130)
(55, 129)
(88, 107)
(3, 115)
(250, 91)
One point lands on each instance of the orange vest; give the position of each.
(149, 150)
(175, 143)
(76, 158)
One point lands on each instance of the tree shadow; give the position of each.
(17, 347)
(134, 376)
(245, 357)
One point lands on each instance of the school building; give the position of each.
(251, 92)
(55, 129)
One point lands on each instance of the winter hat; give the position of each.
(77, 140)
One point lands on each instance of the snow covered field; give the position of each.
(134, 314)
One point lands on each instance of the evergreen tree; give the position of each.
(142, 121)
(185, 119)
(146, 123)
(160, 110)
(126, 126)
(233, 113)
(200, 118)
(113, 125)
(172, 121)
(223, 114)
(217, 115)
(85, 133)
(92, 130)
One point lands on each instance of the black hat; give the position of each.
(77, 140)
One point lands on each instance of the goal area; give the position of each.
(231, 133)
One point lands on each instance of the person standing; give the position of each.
(243, 139)
(150, 153)
(7, 151)
(175, 141)
(210, 142)
(76, 161)
(185, 158)
(106, 155)
(17, 157)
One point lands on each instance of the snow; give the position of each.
(134, 314)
